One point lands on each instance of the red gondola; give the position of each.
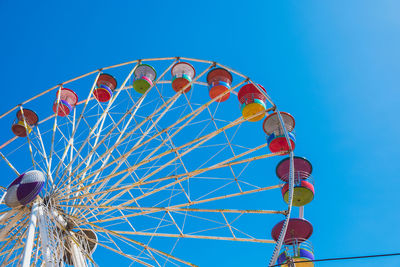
(279, 143)
(182, 75)
(252, 102)
(21, 128)
(219, 82)
(276, 136)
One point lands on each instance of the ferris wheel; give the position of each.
(131, 160)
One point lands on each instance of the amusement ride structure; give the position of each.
(157, 151)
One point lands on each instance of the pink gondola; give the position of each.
(106, 85)
(298, 230)
(303, 190)
(295, 242)
(68, 101)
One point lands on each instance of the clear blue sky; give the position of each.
(333, 64)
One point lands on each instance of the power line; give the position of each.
(347, 258)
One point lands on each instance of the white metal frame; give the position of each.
(85, 193)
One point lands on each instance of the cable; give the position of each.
(346, 258)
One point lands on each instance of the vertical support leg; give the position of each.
(77, 257)
(26, 256)
(44, 237)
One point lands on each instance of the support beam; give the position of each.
(26, 256)
(77, 256)
(44, 237)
